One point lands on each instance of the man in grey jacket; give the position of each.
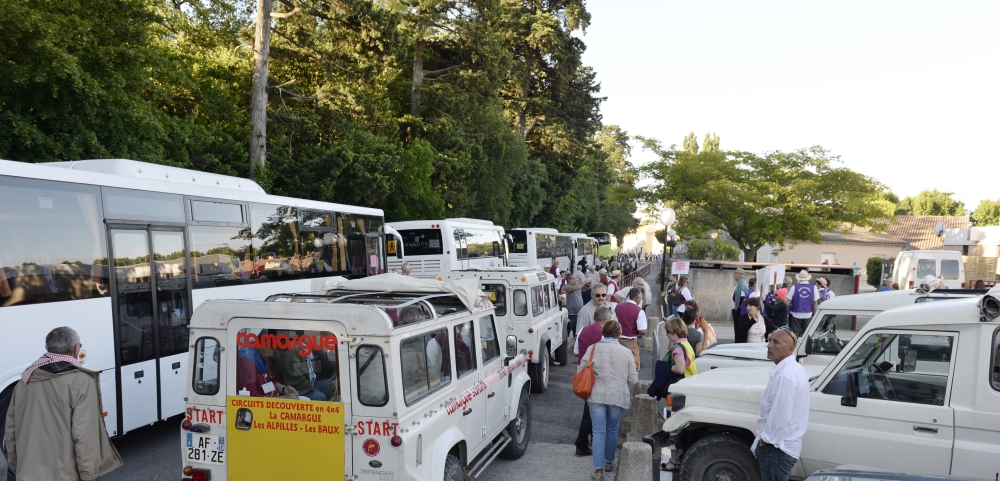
(55, 424)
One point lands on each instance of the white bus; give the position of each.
(586, 249)
(538, 247)
(76, 239)
(435, 246)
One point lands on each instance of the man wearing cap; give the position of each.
(610, 281)
(739, 294)
(804, 299)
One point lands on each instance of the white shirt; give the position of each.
(640, 322)
(687, 297)
(784, 408)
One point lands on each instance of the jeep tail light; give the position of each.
(911, 283)
(531, 330)
(186, 425)
(531, 354)
(201, 475)
(396, 441)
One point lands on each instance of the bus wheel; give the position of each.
(453, 469)
(540, 372)
(519, 429)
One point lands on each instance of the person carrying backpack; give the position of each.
(671, 295)
(677, 364)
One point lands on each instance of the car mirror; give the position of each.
(850, 397)
(808, 345)
(511, 348)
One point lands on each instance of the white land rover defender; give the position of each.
(527, 303)
(917, 390)
(834, 325)
(386, 378)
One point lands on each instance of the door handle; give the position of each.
(925, 429)
(491, 394)
(467, 412)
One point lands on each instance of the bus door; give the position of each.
(461, 250)
(375, 260)
(152, 311)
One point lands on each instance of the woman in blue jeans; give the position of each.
(615, 375)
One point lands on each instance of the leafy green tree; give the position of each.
(874, 271)
(987, 213)
(691, 143)
(712, 249)
(931, 202)
(777, 198)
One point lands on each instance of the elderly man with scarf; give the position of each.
(55, 424)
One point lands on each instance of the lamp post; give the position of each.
(667, 218)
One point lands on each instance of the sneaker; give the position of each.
(584, 452)
(597, 476)
(609, 466)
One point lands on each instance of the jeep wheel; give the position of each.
(453, 469)
(562, 352)
(540, 372)
(519, 429)
(719, 457)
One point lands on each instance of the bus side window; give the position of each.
(520, 303)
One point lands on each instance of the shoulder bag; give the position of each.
(583, 381)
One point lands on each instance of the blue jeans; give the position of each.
(605, 418)
(775, 465)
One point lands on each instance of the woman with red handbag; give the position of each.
(614, 376)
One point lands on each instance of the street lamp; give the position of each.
(667, 218)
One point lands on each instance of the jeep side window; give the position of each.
(835, 331)
(498, 296)
(520, 303)
(465, 352)
(488, 339)
(425, 364)
(206, 366)
(995, 368)
(372, 389)
(537, 301)
(899, 367)
(548, 298)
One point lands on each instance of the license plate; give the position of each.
(206, 449)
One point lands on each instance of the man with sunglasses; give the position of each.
(783, 415)
(585, 317)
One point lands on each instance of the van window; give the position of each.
(488, 339)
(995, 369)
(835, 331)
(287, 363)
(926, 267)
(498, 296)
(465, 352)
(548, 297)
(949, 269)
(372, 386)
(206, 366)
(537, 300)
(425, 364)
(520, 303)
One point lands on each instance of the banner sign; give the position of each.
(680, 268)
(308, 435)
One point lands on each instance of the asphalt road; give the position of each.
(153, 452)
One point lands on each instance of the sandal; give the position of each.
(669, 466)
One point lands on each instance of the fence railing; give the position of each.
(641, 271)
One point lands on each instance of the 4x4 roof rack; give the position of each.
(392, 303)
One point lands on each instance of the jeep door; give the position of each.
(493, 373)
(902, 420)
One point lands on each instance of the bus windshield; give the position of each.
(422, 242)
(520, 242)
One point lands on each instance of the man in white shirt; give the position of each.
(784, 410)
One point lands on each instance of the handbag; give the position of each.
(583, 381)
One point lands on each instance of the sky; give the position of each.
(907, 92)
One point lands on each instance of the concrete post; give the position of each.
(636, 462)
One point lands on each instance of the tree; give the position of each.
(777, 198)
(931, 202)
(874, 270)
(691, 143)
(712, 249)
(987, 213)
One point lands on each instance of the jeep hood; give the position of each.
(737, 388)
(755, 351)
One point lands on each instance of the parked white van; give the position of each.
(912, 266)
(383, 378)
(526, 300)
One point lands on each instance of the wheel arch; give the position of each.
(694, 432)
(450, 442)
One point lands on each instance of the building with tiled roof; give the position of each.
(918, 230)
(839, 246)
